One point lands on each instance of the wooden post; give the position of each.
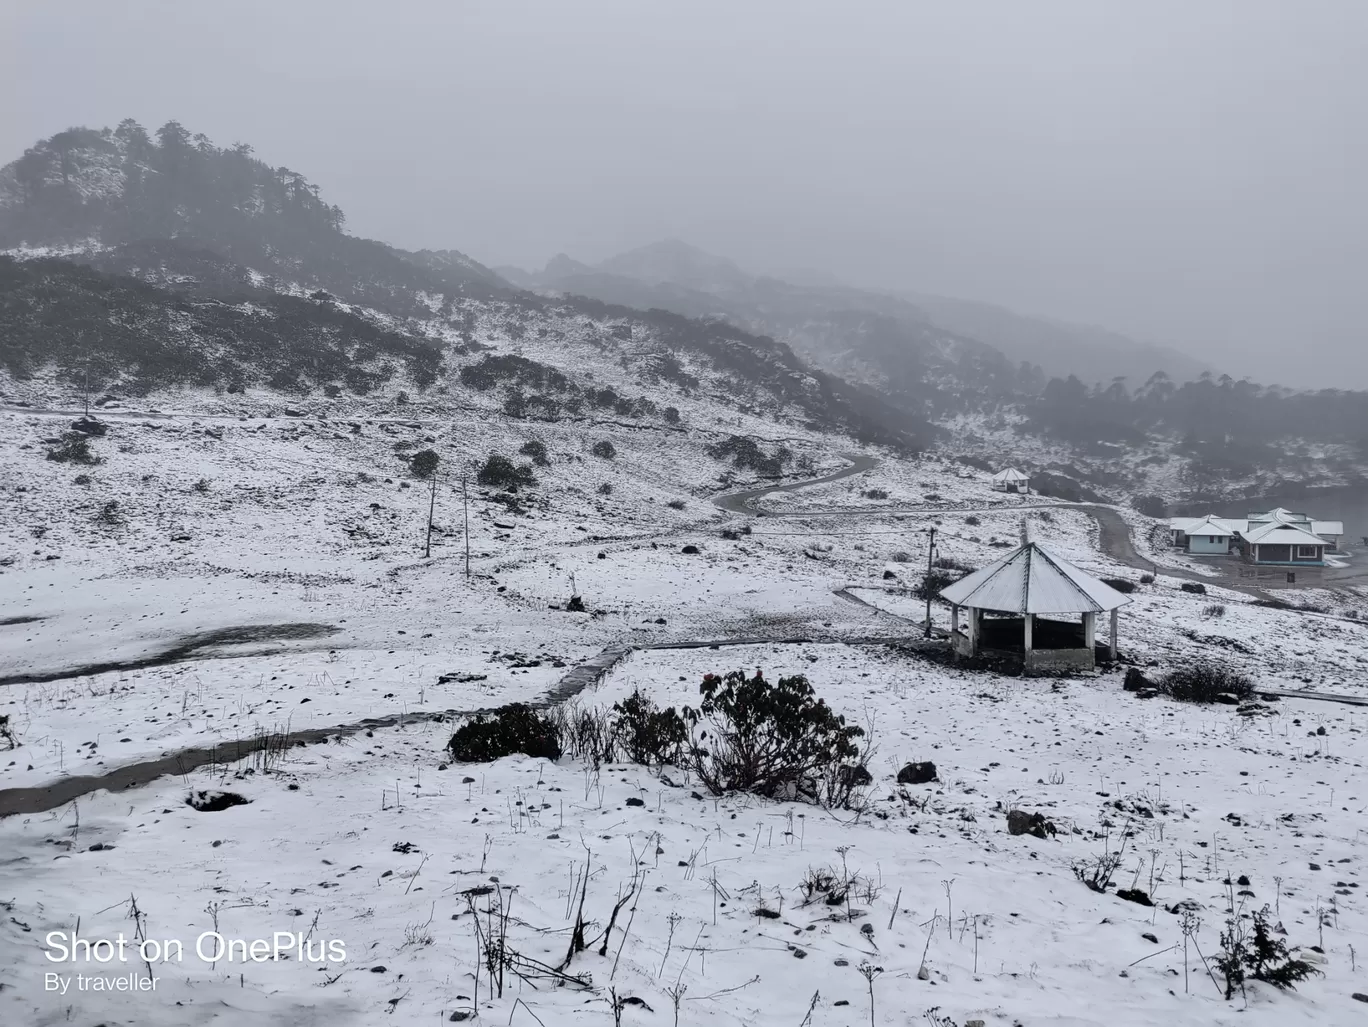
(465, 502)
(1030, 622)
(973, 631)
(954, 621)
(432, 505)
(1089, 630)
(930, 558)
(1112, 646)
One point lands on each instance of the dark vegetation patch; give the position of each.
(1205, 683)
(745, 454)
(501, 473)
(515, 728)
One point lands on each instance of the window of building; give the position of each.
(1308, 552)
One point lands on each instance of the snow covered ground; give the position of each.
(385, 852)
(291, 592)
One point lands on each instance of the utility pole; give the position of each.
(930, 558)
(85, 346)
(465, 502)
(432, 506)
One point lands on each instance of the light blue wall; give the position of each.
(1201, 545)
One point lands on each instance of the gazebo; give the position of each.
(1034, 608)
(1011, 480)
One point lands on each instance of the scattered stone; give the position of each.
(213, 802)
(1035, 824)
(917, 773)
(690, 550)
(634, 801)
(1136, 895)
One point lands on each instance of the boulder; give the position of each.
(855, 776)
(1135, 681)
(1035, 824)
(89, 426)
(917, 773)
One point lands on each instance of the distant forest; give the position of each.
(1227, 427)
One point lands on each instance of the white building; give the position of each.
(1276, 537)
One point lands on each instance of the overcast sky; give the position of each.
(1191, 172)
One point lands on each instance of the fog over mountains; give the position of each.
(676, 276)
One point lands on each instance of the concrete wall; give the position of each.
(1202, 545)
(1046, 660)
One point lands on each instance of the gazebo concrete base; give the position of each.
(1036, 661)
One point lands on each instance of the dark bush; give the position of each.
(1204, 683)
(1123, 585)
(769, 739)
(73, 449)
(606, 489)
(1150, 506)
(511, 729)
(933, 581)
(537, 451)
(671, 415)
(605, 449)
(500, 472)
(676, 504)
(875, 494)
(1147, 579)
(972, 521)
(423, 463)
(744, 453)
(1195, 587)
(109, 514)
(648, 734)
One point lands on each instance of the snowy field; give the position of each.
(385, 853)
(290, 592)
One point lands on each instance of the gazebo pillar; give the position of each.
(954, 621)
(1089, 630)
(1030, 622)
(973, 631)
(1112, 646)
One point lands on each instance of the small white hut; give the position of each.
(1034, 607)
(1011, 480)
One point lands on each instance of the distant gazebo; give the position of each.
(1011, 480)
(1033, 608)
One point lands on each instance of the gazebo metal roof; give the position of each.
(1031, 579)
(1011, 474)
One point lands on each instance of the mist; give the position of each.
(1188, 174)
